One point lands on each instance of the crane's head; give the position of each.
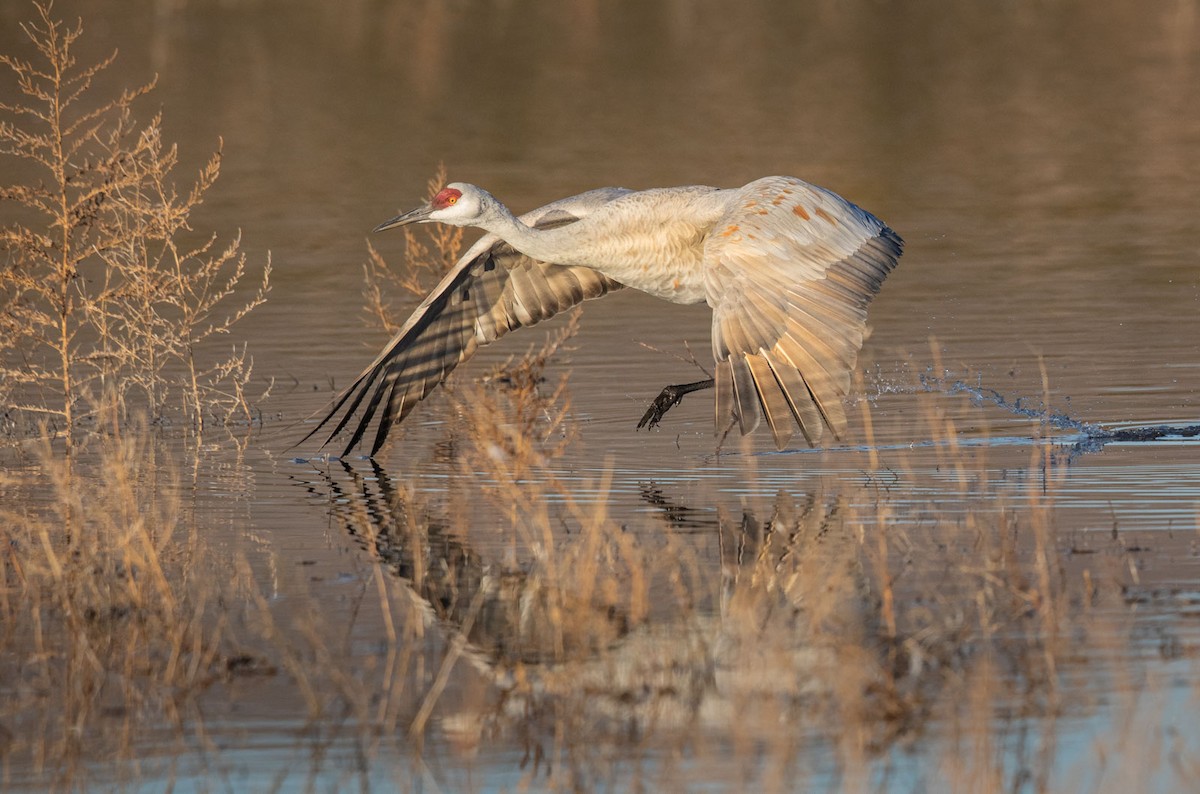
(457, 204)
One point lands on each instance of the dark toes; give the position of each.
(665, 401)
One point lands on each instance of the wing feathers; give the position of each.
(825, 389)
(799, 399)
(492, 290)
(774, 400)
(789, 280)
(746, 400)
(789, 293)
(395, 399)
(726, 402)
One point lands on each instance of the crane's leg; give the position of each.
(668, 398)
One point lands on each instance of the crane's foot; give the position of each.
(668, 398)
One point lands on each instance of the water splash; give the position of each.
(1093, 435)
(981, 395)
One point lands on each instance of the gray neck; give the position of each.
(547, 245)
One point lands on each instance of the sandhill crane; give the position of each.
(787, 267)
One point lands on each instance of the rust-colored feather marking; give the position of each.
(825, 216)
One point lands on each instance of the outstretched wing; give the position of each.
(492, 290)
(789, 271)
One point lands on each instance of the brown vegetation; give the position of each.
(428, 253)
(824, 630)
(111, 612)
(99, 293)
(781, 641)
(763, 644)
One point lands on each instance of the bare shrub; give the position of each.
(98, 291)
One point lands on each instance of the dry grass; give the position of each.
(99, 291)
(112, 614)
(824, 634)
(429, 251)
(113, 620)
(810, 639)
(846, 636)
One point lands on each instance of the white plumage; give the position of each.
(787, 267)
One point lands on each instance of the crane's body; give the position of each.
(661, 254)
(787, 267)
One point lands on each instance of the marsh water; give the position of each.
(1040, 160)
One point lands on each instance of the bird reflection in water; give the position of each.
(728, 624)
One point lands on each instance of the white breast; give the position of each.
(653, 240)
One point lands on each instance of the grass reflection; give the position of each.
(818, 637)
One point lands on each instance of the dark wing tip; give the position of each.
(476, 303)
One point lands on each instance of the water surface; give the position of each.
(1038, 159)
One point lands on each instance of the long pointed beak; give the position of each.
(413, 216)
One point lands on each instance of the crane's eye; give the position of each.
(446, 197)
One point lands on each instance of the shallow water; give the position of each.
(1038, 159)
